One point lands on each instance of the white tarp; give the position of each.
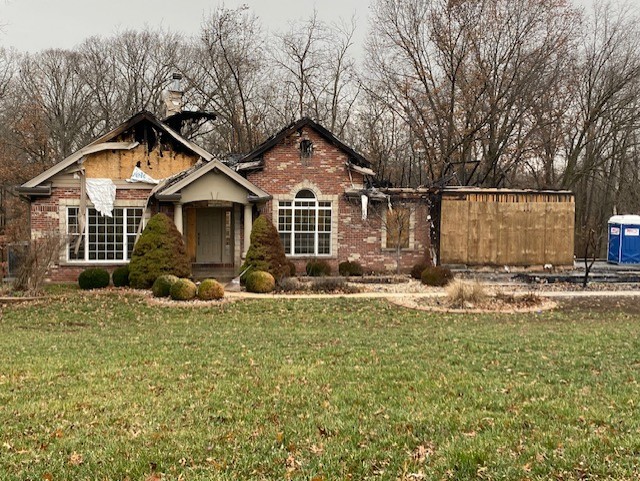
(138, 175)
(365, 203)
(102, 193)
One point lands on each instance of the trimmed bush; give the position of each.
(436, 276)
(418, 269)
(210, 289)
(162, 285)
(260, 282)
(318, 268)
(94, 278)
(183, 290)
(120, 276)
(350, 268)
(265, 252)
(160, 250)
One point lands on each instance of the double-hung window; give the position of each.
(304, 225)
(105, 239)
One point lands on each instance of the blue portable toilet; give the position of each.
(624, 239)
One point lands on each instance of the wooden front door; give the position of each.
(214, 236)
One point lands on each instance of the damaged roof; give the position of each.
(104, 143)
(354, 157)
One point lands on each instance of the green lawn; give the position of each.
(109, 388)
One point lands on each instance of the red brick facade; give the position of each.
(284, 173)
(46, 215)
(326, 174)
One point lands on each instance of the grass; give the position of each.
(97, 387)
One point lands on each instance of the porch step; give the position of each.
(221, 274)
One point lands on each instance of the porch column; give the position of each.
(177, 216)
(248, 224)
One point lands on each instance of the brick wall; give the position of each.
(46, 215)
(325, 173)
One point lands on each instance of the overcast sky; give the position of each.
(32, 25)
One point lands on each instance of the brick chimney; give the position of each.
(172, 97)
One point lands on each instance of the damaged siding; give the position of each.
(119, 164)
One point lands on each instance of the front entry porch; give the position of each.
(213, 209)
(212, 237)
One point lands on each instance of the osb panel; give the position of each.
(501, 231)
(559, 235)
(119, 164)
(453, 231)
(191, 233)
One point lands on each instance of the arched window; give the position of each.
(305, 225)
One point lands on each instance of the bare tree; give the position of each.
(227, 73)
(463, 75)
(317, 73)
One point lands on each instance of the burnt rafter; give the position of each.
(189, 120)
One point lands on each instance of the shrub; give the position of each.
(265, 251)
(35, 262)
(350, 268)
(436, 276)
(210, 289)
(162, 285)
(290, 284)
(120, 276)
(418, 269)
(183, 290)
(160, 250)
(292, 268)
(332, 284)
(260, 282)
(94, 278)
(460, 293)
(318, 268)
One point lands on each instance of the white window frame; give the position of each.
(85, 236)
(294, 205)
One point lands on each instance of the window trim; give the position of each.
(125, 234)
(412, 223)
(316, 208)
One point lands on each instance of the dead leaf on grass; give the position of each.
(76, 459)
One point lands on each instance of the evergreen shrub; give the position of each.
(162, 285)
(418, 269)
(436, 276)
(160, 250)
(183, 290)
(260, 282)
(93, 278)
(120, 276)
(210, 289)
(350, 268)
(318, 268)
(265, 251)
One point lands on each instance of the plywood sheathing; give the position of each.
(119, 164)
(520, 229)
